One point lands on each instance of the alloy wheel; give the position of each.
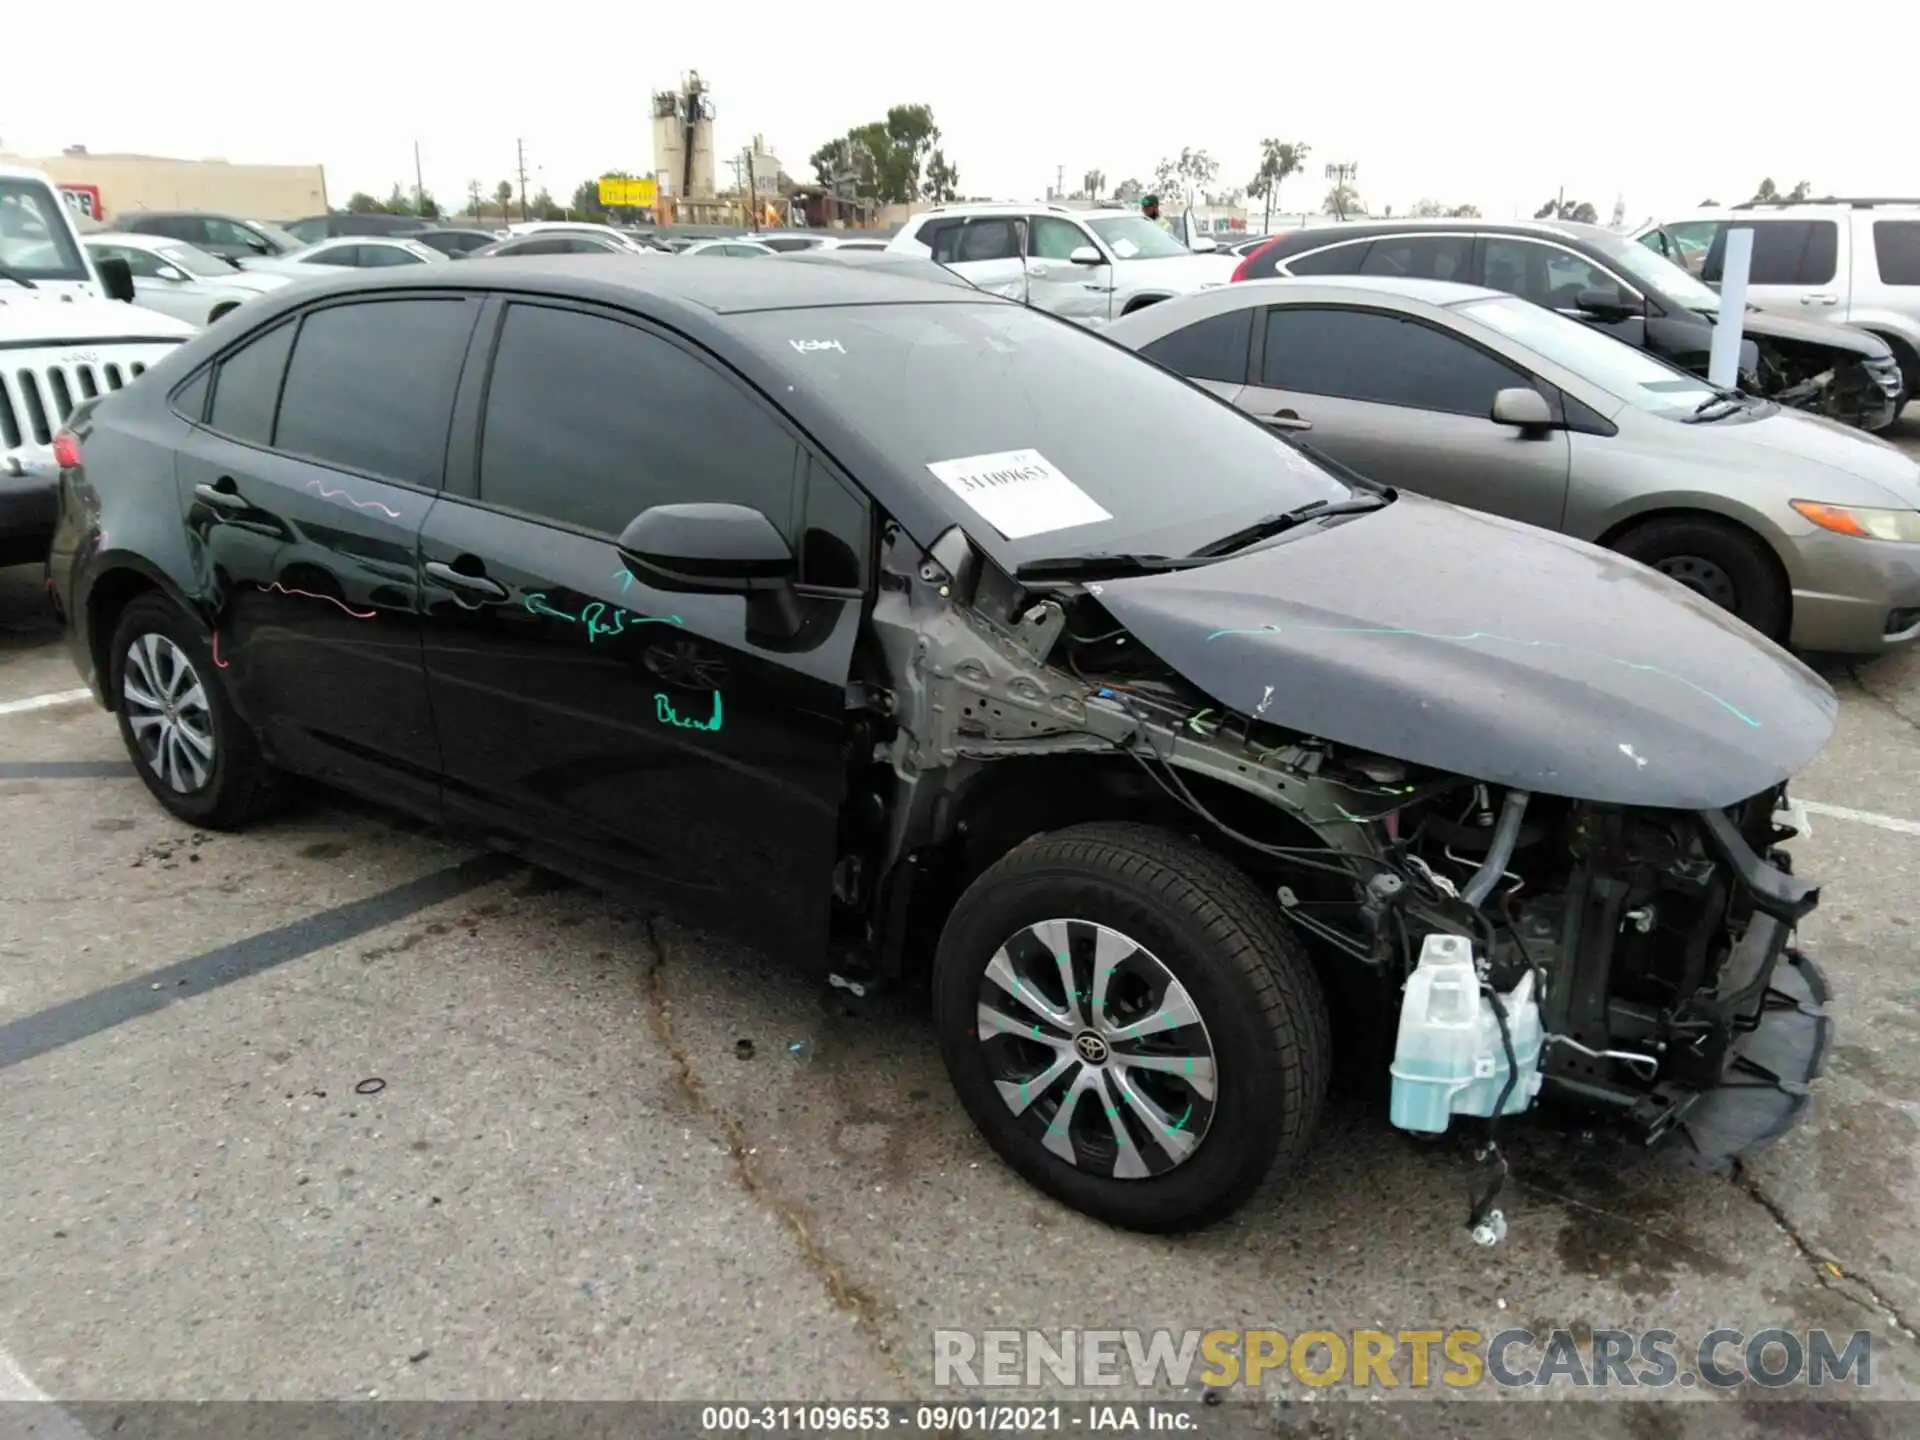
(1097, 1048)
(1703, 577)
(167, 710)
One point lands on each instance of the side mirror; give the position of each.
(1204, 243)
(1605, 302)
(167, 272)
(1524, 409)
(709, 549)
(1085, 255)
(116, 278)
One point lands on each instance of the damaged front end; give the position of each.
(1627, 932)
(1863, 391)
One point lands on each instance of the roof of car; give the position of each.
(1434, 292)
(716, 286)
(1362, 229)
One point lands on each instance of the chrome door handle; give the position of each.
(1819, 299)
(1287, 420)
(222, 499)
(460, 580)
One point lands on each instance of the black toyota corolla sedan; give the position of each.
(893, 622)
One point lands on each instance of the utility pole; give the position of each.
(520, 148)
(753, 193)
(1059, 182)
(419, 189)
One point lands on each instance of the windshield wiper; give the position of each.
(1268, 526)
(1065, 567)
(7, 272)
(1709, 408)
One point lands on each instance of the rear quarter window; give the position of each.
(1896, 251)
(1210, 349)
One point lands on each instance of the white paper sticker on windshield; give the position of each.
(1125, 248)
(1019, 493)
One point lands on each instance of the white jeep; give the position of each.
(65, 336)
(1091, 265)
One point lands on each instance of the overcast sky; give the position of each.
(1497, 102)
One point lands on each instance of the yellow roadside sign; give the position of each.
(638, 193)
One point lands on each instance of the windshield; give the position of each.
(1656, 272)
(1134, 237)
(1618, 368)
(35, 243)
(282, 239)
(194, 262)
(1048, 440)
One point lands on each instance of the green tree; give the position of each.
(396, 202)
(545, 207)
(1801, 191)
(886, 159)
(473, 198)
(1278, 160)
(1765, 190)
(1340, 199)
(1576, 210)
(943, 180)
(1093, 184)
(1128, 191)
(426, 207)
(1465, 212)
(361, 203)
(503, 196)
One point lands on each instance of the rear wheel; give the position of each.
(1130, 1025)
(1718, 560)
(192, 751)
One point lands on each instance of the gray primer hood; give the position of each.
(1489, 649)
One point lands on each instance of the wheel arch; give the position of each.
(109, 595)
(1769, 546)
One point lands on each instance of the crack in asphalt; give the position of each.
(1880, 697)
(844, 1293)
(1824, 1265)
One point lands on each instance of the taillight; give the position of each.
(66, 450)
(1244, 270)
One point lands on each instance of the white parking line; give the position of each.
(47, 1421)
(44, 702)
(1863, 817)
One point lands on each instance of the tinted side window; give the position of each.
(1363, 355)
(1785, 252)
(247, 386)
(1210, 349)
(1338, 260)
(191, 398)
(590, 421)
(336, 255)
(1424, 257)
(1896, 250)
(371, 387)
(1544, 274)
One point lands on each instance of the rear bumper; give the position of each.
(29, 505)
(1855, 597)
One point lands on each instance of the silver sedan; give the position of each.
(1807, 530)
(179, 279)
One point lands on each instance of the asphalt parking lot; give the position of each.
(337, 1109)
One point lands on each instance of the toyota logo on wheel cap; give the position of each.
(1092, 1048)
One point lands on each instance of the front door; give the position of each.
(1406, 404)
(305, 488)
(1083, 293)
(988, 251)
(631, 734)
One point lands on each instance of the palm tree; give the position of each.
(1278, 160)
(1092, 183)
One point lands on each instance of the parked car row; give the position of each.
(888, 620)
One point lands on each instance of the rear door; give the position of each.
(987, 250)
(305, 486)
(641, 736)
(1407, 404)
(1799, 264)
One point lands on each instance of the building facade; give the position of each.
(117, 185)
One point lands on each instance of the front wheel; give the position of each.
(1714, 558)
(1130, 1025)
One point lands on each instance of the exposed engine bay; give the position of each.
(1850, 389)
(1648, 951)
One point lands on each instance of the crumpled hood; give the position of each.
(27, 317)
(1774, 325)
(1794, 441)
(1489, 649)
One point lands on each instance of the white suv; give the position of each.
(1855, 262)
(1089, 266)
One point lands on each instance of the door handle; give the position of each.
(1287, 420)
(1819, 299)
(222, 499)
(459, 580)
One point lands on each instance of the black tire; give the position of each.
(1249, 980)
(1727, 564)
(239, 785)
